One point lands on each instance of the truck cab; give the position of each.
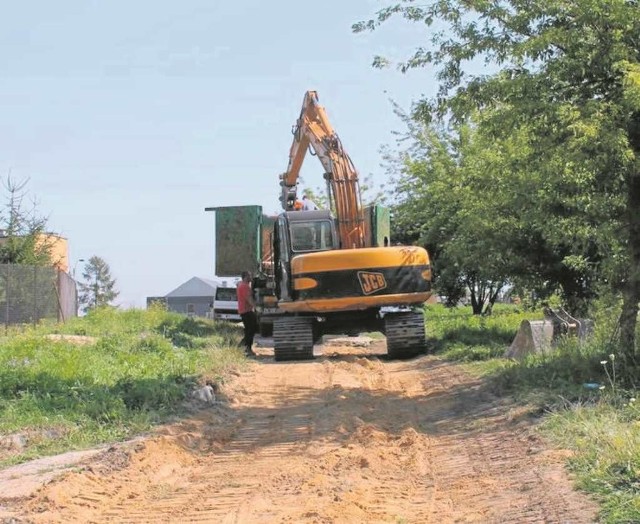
(225, 304)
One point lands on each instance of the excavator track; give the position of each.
(293, 338)
(405, 334)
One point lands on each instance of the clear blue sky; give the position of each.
(129, 118)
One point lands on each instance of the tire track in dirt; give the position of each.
(345, 438)
(215, 497)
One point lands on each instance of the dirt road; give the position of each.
(345, 438)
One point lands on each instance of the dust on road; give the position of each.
(345, 438)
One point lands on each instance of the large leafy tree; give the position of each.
(474, 202)
(441, 202)
(567, 71)
(98, 287)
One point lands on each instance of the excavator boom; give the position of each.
(313, 130)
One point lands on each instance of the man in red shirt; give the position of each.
(246, 309)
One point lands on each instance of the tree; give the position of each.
(26, 241)
(463, 195)
(568, 72)
(98, 287)
(444, 201)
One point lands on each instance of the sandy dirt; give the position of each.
(345, 438)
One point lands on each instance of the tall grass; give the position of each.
(606, 440)
(59, 395)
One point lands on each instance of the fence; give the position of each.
(32, 293)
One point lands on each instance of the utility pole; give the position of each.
(75, 282)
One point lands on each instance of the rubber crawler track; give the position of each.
(405, 334)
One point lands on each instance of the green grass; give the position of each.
(606, 442)
(457, 334)
(141, 367)
(602, 426)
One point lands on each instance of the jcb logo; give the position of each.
(371, 282)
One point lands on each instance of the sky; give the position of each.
(129, 118)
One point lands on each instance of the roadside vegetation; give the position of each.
(526, 174)
(579, 391)
(121, 373)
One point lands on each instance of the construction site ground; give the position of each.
(346, 438)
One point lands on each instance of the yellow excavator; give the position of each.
(331, 276)
(334, 271)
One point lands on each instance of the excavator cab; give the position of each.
(298, 233)
(311, 231)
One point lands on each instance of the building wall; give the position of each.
(59, 249)
(201, 305)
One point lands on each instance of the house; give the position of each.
(193, 298)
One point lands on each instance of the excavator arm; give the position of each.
(313, 130)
